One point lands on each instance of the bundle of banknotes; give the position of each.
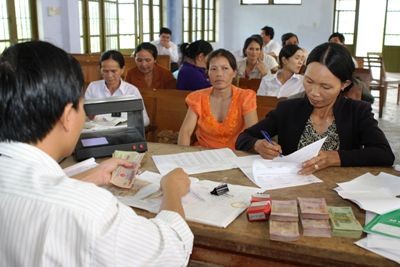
(124, 177)
(314, 217)
(344, 223)
(283, 224)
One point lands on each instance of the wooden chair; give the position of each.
(265, 104)
(377, 66)
(253, 84)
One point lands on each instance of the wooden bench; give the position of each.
(167, 109)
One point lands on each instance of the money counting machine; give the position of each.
(102, 143)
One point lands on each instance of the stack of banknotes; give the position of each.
(344, 223)
(314, 217)
(283, 224)
(124, 177)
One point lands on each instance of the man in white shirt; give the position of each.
(48, 218)
(271, 47)
(166, 47)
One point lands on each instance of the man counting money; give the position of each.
(48, 218)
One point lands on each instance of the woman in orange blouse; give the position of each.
(221, 112)
(148, 74)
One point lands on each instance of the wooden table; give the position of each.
(247, 244)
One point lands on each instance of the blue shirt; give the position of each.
(191, 77)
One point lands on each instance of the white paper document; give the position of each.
(280, 172)
(80, 167)
(269, 174)
(199, 204)
(197, 162)
(373, 193)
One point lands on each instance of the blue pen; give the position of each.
(268, 138)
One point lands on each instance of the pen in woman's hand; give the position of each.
(268, 138)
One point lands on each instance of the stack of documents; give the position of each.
(199, 204)
(382, 244)
(378, 196)
(372, 193)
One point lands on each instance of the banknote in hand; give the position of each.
(124, 177)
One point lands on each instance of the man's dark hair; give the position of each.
(165, 30)
(269, 31)
(338, 35)
(37, 81)
(114, 55)
(149, 47)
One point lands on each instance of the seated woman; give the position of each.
(148, 74)
(353, 136)
(112, 66)
(256, 64)
(221, 112)
(286, 81)
(192, 74)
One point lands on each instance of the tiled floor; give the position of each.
(390, 121)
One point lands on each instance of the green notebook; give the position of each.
(387, 224)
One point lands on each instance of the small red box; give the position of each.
(260, 208)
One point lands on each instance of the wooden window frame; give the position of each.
(192, 17)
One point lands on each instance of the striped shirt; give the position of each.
(49, 219)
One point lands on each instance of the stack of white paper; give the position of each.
(387, 247)
(197, 162)
(372, 193)
(199, 205)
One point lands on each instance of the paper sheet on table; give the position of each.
(104, 122)
(197, 162)
(385, 246)
(373, 193)
(199, 205)
(269, 174)
(80, 167)
(282, 171)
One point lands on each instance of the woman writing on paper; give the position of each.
(221, 112)
(353, 136)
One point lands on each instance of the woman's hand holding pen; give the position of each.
(323, 160)
(267, 150)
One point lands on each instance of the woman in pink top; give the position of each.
(221, 112)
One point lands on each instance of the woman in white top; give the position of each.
(286, 81)
(256, 64)
(112, 66)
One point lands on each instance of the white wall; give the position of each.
(312, 22)
(60, 27)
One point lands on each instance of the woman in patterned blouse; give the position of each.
(353, 136)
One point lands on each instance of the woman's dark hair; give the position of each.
(336, 58)
(253, 38)
(287, 36)
(223, 53)
(149, 47)
(37, 81)
(194, 49)
(114, 55)
(287, 52)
